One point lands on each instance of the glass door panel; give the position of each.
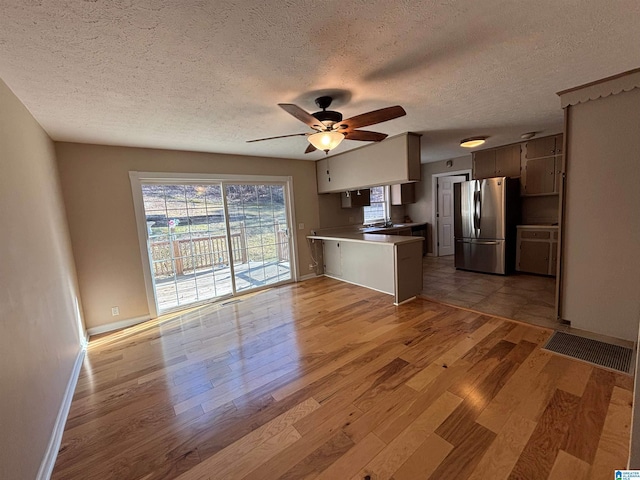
(258, 217)
(187, 243)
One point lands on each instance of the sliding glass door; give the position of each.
(213, 240)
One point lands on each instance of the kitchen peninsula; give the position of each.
(387, 263)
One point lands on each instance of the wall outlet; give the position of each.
(301, 226)
(115, 311)
(350, 219)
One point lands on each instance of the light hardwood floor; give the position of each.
(325, 380)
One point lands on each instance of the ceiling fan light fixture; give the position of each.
(326, 140)
(472, 142)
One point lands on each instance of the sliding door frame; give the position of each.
(137, 179)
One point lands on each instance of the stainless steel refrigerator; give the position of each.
(486, 213)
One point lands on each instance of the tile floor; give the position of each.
(529, 298)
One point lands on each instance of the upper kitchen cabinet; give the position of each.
(542, 166)
(392, 161)
(542, 176)
(403, 194)
(322, 175)
(508, 161)
(484, 164)
(497, 162)
(544, 147)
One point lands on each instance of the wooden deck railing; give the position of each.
(196, 253)
(189, 255)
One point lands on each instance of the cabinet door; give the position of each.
(540, 176)
(541, 147)
(403, 194)
(554, 259)
(484, 164)
(332, 258)
(322, 176)
(508, 161)
(558, 173)
(534, 257)
(559, 139)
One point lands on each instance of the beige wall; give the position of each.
(333, 215)
(39, 336)
(601, 281)
(421, 210)
(97, 193)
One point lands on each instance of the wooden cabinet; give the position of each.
(508, 161)
(395, 160)
(484, 164)
(543, 167)
(497, 162)
(540, 176)
(537, 249)
(403, 194)
(544, 147)
(356, 198)
(322, 175)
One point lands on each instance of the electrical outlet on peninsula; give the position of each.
(115, 311)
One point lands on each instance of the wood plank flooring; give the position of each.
(326, 380)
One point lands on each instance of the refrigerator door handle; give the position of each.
(479, 209)
(476, 210)
(476, 242)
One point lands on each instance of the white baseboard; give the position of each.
(307, 277)
(110, 327)
(49, 460)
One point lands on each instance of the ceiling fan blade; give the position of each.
(310, 149)
(280, 136)
(365, 136)
(371, 118)
(302, 115)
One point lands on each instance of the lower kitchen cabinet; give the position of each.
(537, 249)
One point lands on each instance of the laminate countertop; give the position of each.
(374, 238)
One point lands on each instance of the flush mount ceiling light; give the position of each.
(472, 142)
(326, 140)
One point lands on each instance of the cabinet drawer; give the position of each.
(541, 234)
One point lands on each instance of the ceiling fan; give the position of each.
(331, 129)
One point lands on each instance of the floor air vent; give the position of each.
(606, 355)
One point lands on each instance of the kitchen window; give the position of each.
(378, 210)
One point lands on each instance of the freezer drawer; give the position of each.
(480, 255)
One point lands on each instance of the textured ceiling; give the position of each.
(206, 75)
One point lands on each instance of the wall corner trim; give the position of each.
(49, 460)
(110, 327)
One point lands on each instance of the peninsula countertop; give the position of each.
(375, 238)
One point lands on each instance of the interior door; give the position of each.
(445, 213)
